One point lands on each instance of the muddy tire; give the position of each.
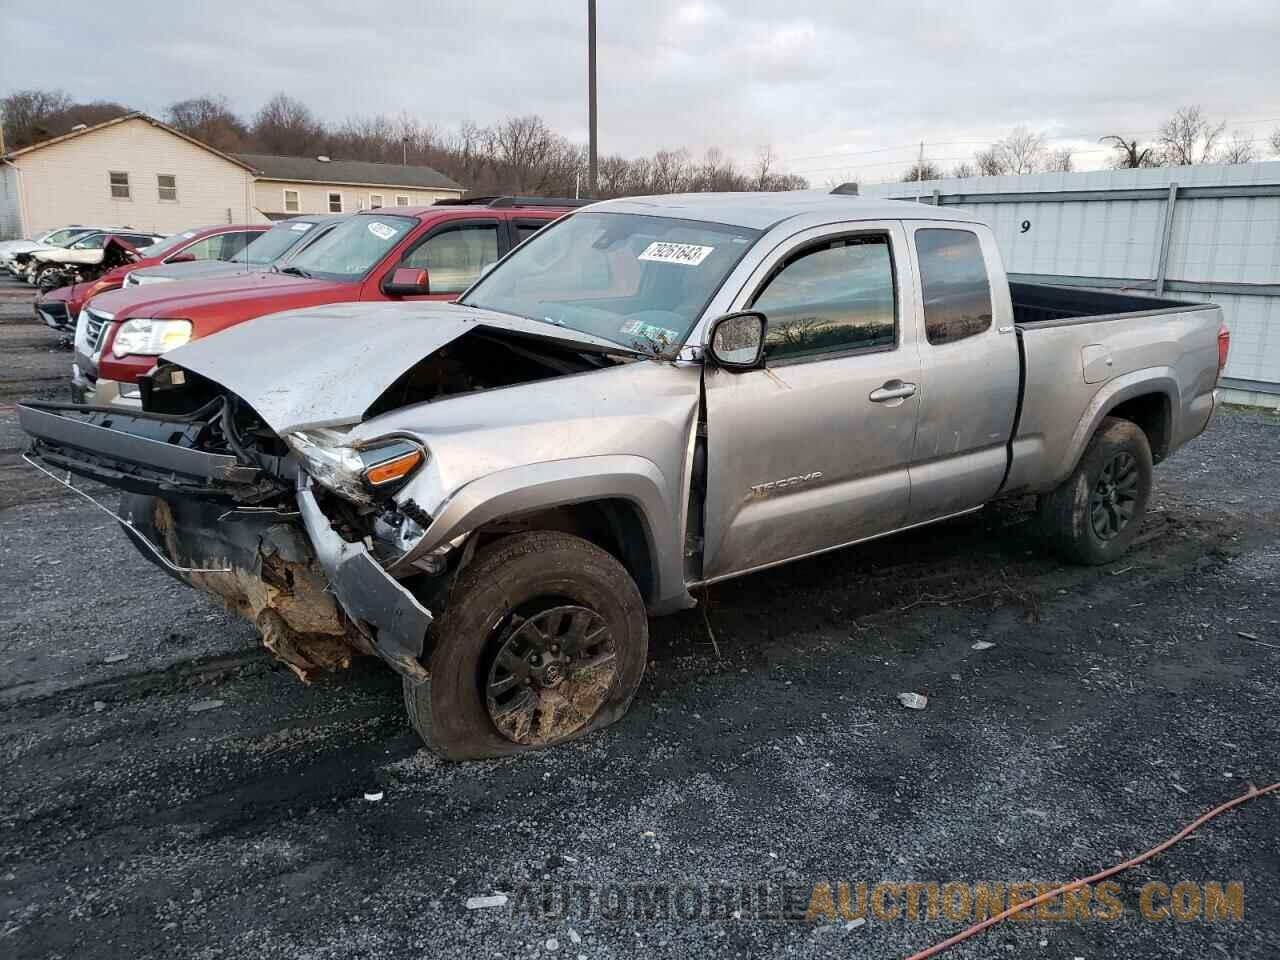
(544, 640)
(1093, 516)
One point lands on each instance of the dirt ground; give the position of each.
(170, 792)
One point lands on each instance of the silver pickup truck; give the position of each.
(649, 396)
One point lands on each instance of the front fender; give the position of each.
(540, 486)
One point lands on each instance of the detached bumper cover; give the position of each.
(53, 313)
(367, 592)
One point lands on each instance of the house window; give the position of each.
(335, 203)
(375, 201)
(402, 201)
(167, 184)
(119, 185)
(291, 204)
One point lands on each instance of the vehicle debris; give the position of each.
(913, 701)
(485, 903)
(982, 645)
(116, 658)
(373, 796)
(200, 706)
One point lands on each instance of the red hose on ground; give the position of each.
(991, 921)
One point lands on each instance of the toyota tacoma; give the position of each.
(649, 396)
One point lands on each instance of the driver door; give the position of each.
(812, 452)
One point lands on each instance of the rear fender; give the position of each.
(1162, 380)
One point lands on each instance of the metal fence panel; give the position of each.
(1111, 228)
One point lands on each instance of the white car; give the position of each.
(50, 238)
(84, 254)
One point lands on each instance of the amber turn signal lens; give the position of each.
(394, 469)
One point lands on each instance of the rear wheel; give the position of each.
(1093, 516)
(544, 639)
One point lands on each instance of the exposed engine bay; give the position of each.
(219, 499)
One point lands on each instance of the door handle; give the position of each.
(893, 390)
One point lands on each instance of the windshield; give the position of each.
(639, 281)
(60, 238)
(272, 245)
(350, 250)
(95, 241)
(162, 247)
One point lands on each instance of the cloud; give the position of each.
(823, 83)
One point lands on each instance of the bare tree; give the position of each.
(1061, 160)
(1129, 155)
(988, 162)
(1188, 137)
(1021, 152)
(922, 170)
(763, 168)
(210, 120)
(28, 115)
(1239, 149)
(287, 127)
(1275, 141)
(964, 169)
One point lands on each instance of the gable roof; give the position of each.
(125, 118)
(355, 172)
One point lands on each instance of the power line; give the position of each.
(946, 159)
(990, 140)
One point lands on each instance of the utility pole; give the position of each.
(919, 171)
(591, 97)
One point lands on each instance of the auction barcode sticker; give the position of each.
(689, 254)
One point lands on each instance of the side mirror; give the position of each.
(736, 340)
(407, 282)
(182, 258)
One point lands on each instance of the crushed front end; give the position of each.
(217, 499)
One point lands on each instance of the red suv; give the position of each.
(391, 253)
(59, 308)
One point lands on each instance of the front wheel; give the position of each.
(544, 639)
(1094, 514)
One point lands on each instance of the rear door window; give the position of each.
(954, 283)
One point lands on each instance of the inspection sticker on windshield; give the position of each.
(301, 227)
(382, 231)
(689, 254)
(650, 331)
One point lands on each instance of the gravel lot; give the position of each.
(169, 791)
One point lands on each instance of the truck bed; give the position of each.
(1041, 303)
(1086, 351)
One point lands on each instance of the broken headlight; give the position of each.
(361, 473)
(150, 338)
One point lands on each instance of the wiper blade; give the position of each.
(296, 272)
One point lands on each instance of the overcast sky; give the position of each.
(824, 84)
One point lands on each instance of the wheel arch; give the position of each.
(1147, 398)
(621, 503)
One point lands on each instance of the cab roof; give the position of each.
(760, 211)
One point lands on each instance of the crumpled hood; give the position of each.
(325, 366)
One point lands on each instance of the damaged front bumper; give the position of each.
(218, 524)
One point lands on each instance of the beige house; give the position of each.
(288, 186)
(137, 172)
(131, 171)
